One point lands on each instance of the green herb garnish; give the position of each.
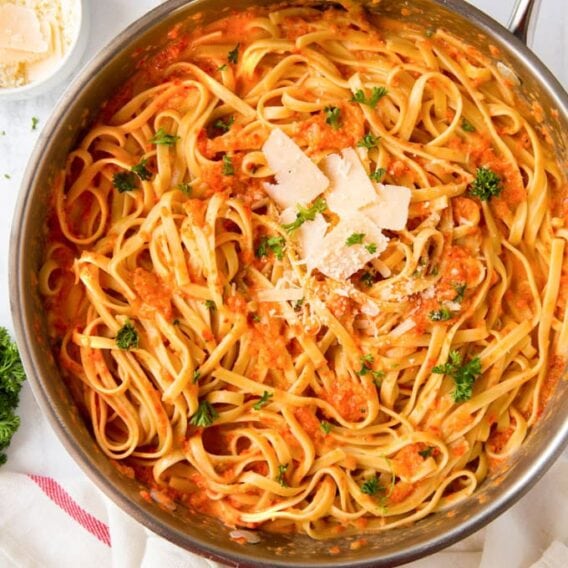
(325, 426)
(442, 314)
(196, 376)
(378, 175)
(12, 377)
(377, 93)
(35, 122)
(371, 248)
(204, 415)
(467, 126)
(306, 214)
(162, 138)
(460, 289)
(367, 278)
(264, 399)
(354, 239)
(222, 67)
(127, 337)
(464, 374)
(368, 141)
(210, 305)
(487, 184)
(427, 452)
(233, 55)
(125, 181)
(184, 187)
(372, 486)
(141, 170)
(275, 244)
(224, 125)
(228, 168)
(333, 116)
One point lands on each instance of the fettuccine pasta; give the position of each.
(230, 372)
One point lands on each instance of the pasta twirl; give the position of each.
(219, 345)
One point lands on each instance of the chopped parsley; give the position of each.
(460, 288)
(354, 239)
(141, 170)
(275, 244)
(378, 377)
(298, 305)
(367, 278)
(325, 426)
(372, 486)
(222, 67)
(487, 184)
(255, 318)
(185, 188)
(233, 55)
(162, 138)
(263, 400)
(228, 168)
(464, 374)
(282, 468)
(35, 122)
(7, 176)
(427, 452)
(333, 116)
(127, 337)
(210, 305)
(306, 214)
(378, 175)
(125, 181)
(368, 141)
(204, 415)
(467, 126)
(377, 93)
(3, 133)
(442, 314)
(196, 376)
(371, 248)
(430, 32)
(12, 377)
(366, 362)
(224, 125)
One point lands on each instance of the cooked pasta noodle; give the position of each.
(229, 376)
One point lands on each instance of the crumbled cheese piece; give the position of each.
(310, 235)
(299, 179)
(350, 187)
(370, 309)
(390, 211)
(338, 260)
(429, 293)
(454, 306)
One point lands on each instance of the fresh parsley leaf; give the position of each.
(372, 486)
(298, 305)
(7, 176)
(125, 181)
(467, 126)
(442, 314)
(427, 452)
(196, 377)
(275, 244)
(368, 141)
(366, 362)
(325, 426)
(282, 468)
(264, 399)
(255, 318)
(222, 67)
(224, 125)
(233, 55)
(210, 305)
(333, 116)
(35, 122)
(487, 184)
(367, 358)
(377, 93)
(371, 248)
(354, 239)
(204, 415)
(127, 337)
(185, 188)
(378, 175)
(162, 138)
(141, 170)
(12, 377)
(460, 288)
(228, 168)
(378, 377)
(464, 374)
(306, 214)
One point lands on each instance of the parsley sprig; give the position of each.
(378, 175)
(368, 141)
(487, 184)
(127, 337)
(224, 125)
(204, 415)
(141, 170)
(355, 239)
(263, 400)
(124, 181)
(377, 93)
(162, 138)
(333, 116)
(366, 361)
(372, 486)
(463, 373)
(228, 167)
(12, 377)
(282, 469)
(233, 55)
(443, 314)
(274, 244)
(306, 214)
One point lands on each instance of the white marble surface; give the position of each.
(108, 17)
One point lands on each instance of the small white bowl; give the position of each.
(60, 71)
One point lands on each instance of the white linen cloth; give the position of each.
(51, 515)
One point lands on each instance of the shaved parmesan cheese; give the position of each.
(402, 328)
(280, 295)
(350, 187)
(20, 29)
(299, 179)
(310, 235)
(338, 260)
(390, 211)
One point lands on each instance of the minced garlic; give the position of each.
(35, 36)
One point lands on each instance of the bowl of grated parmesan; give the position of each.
(41, 42)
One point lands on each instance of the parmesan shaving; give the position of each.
(403, 327)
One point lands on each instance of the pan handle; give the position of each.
(523, 20)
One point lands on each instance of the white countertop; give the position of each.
(108, 17)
